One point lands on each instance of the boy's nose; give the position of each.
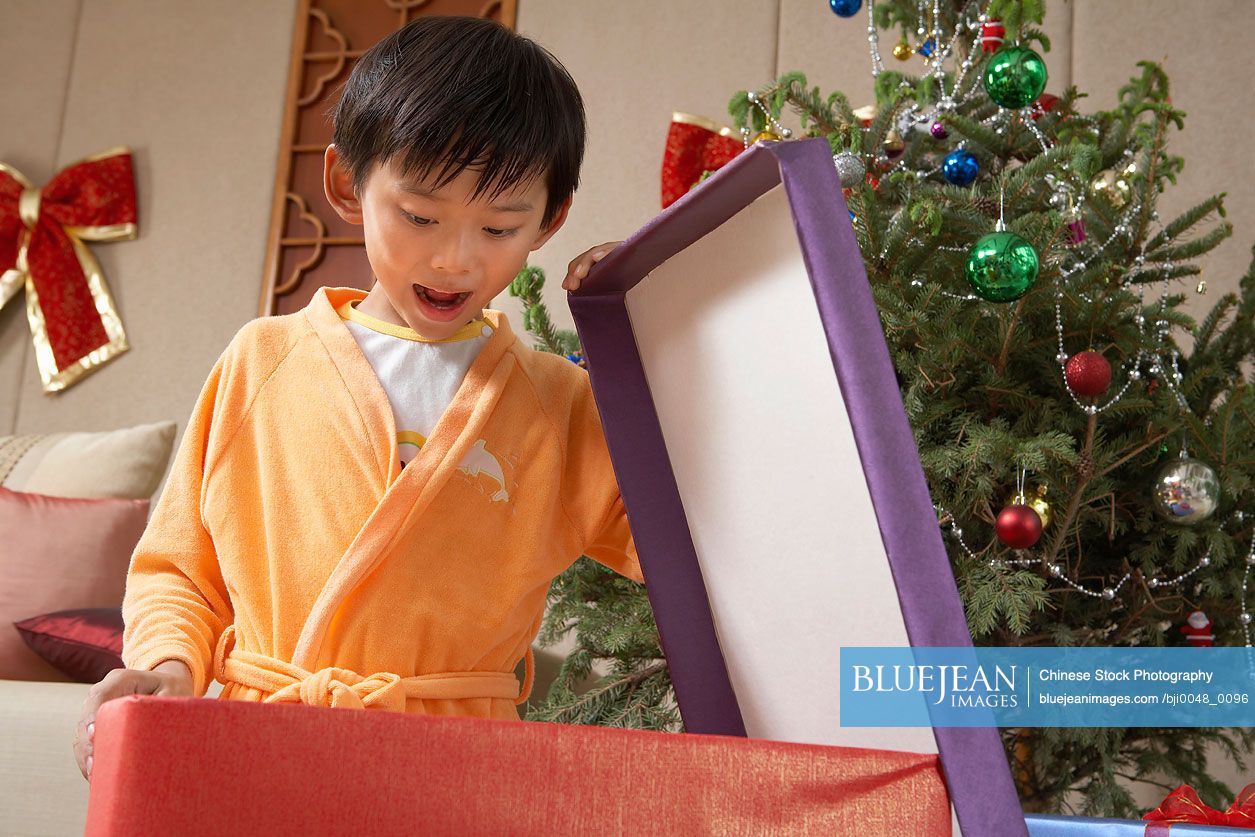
(451, 254)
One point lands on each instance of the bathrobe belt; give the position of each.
(340, 687)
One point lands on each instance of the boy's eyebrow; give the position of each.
(423, 191)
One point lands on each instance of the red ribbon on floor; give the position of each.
(1183, 805)
(73, 320)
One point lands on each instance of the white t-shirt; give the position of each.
(421, 376)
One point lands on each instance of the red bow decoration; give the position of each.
(1183, 805)
(694, 145)
(72, 316)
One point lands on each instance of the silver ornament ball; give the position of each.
(1186, 491)
(850, 169)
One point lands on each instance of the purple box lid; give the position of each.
(973, 759)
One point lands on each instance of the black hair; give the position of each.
(459, 92)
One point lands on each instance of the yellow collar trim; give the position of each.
(348, 311)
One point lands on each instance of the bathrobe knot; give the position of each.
(280, 681)
(287, 683)
(340, 687)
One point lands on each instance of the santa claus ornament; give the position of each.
(1197, 630)
(992, 33)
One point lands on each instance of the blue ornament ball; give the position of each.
(845, 8)
(960, 167)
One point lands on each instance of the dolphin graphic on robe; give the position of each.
(479, 461)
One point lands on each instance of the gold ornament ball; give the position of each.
(1037, 502)
(894, 143)
(902, 51)
(1113, 186)
(770, 136)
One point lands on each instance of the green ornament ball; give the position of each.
(1015, 77)
(1001, 267)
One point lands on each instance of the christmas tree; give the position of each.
(609, 616)
(1088, 446)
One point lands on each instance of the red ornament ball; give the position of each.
(1018, 526)
(1088, 373)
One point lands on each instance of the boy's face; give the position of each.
(420, 238)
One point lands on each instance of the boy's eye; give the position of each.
(424, 222)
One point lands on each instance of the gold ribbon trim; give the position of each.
(28, 206)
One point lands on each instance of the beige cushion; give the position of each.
(119, 463)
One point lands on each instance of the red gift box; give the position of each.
(191, 766)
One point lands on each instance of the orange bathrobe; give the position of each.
(291, 558)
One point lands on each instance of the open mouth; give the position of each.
(441, 300)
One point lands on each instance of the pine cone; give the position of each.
(1085, 468)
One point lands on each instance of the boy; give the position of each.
(375, 492)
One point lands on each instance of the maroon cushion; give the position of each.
(86, 643)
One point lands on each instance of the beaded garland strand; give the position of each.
(779, 129)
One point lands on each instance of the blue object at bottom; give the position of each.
(1055, 825)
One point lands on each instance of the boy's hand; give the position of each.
(578, 268)
(170, 678)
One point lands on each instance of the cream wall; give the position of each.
(195, 88)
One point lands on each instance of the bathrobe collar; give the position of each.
(411, 488)
(369, 395)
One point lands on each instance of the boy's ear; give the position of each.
(558, 220)
(338, 184)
